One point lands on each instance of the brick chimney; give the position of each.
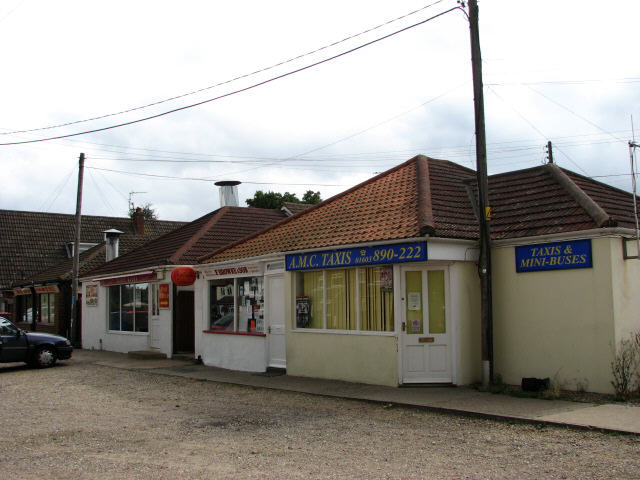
(138, 222)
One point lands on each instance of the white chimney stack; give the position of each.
(112, 243)
(228, 193)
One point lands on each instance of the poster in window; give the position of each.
(91, 298)
(163, 296)
(413, 301)
(386, 279)
(303, 312)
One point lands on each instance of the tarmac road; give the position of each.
(84, 420)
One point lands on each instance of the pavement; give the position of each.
(612, 417)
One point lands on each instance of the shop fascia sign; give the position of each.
(47, 289)
(141, 277)
(355, 257)
(251, 269)
(22, 291)
(554, 256)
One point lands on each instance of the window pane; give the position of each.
(141, 306)
(414, 302)
(114, 307)
(44, 307)
(128, 307)
(341, 296)
(251, 304)
(221, 305)
(437, 320)
(52, 307)
(309, 295)
(376, 299)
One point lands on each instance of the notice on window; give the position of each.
(163, 296)
(91, 298)
(413, 301)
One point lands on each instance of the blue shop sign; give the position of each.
(355, 257)
(554, 256)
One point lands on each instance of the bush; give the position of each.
(624, 366)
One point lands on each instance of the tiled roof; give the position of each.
(536, 202)
(432, 197)
(185, 245)
(34, 241)
(382, 208)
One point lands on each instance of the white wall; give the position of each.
(96, 336)
(234, 352)
(557, 324)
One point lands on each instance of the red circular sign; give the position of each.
(183, 276)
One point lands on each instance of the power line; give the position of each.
(240, 77)
(536, 129)
(241, 90)
(572, 112)
(202, 179)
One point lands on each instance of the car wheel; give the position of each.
(44, 357)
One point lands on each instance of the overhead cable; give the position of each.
(226, 82)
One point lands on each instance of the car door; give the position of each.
(13, 343)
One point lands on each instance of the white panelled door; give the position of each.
(425, 335)
(277, 355)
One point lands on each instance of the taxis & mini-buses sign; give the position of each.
(554, 256)
(355, 257)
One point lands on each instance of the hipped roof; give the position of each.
(185, 245)
(437, 198)
(34, 241)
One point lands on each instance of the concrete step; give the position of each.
(147, 355)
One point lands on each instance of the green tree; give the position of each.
(271, 199)
(311, 197)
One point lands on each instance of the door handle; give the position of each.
(269, 329)
(404, 326)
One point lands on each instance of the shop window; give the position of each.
(310, 300)
(24, 308)
(376, 299)
(237, 305)
(47, 307)
(129, 307)
(341, 300)
(346, 299)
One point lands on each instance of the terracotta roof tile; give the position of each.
(536, 201)
(382, 208)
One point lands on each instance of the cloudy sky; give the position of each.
(557, 71)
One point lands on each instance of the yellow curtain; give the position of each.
(341, 299)
(313, 289)
(376, 299)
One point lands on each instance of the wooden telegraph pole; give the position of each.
(484, 262)
(73, 327)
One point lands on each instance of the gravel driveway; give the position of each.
(81, 420)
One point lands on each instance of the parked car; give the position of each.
(35, 348)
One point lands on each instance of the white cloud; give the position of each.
(72, 60)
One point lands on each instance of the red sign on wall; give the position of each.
(163, 295)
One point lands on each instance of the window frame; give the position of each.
(236, 305)
(135, 310)
(358, 330)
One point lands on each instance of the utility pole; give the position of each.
(549, 152)
(73, 327)
(484, 262)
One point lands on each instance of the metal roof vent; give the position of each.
(228, 193)
(112, 243)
